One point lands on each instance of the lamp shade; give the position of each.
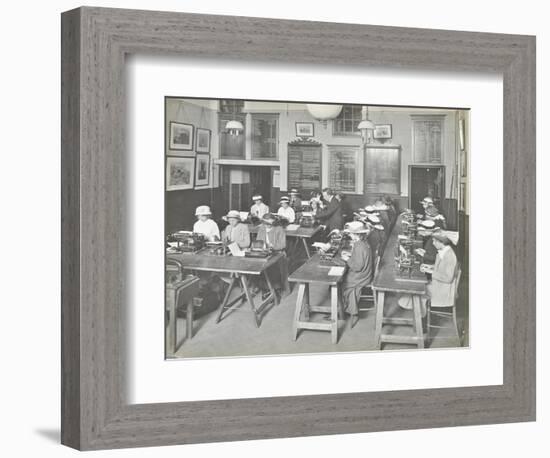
(234, 125)
(323, 112)
(365, 124)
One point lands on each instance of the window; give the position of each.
(344, 169)
(231, 146)
(427, 138)
(347, 121)
(265, 136)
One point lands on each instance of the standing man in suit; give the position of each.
(331, 216)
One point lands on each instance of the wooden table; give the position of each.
(240, 269)
(388, 280)
(299, 236)
(315, 271)
(181, 292)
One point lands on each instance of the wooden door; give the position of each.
(426, 181)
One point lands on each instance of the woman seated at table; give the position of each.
(295, 201)
(259, 209)
(236, 231)
(205, 225)
(440, 289)
(285, 210)
(274, 238)
(360, 271)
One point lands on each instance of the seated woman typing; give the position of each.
(236, 231)
(360, 268)
(205, 225)
(285, 210)
(274, 237)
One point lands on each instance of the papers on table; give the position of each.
(235, 250)
(321, 246)
(292, 227)
(336, 271)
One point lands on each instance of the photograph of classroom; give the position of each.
(303, 227)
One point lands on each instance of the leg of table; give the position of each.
(298, 311)
(270, 287)
(306, 302)
(306, 248)
(226, 298)
(172, 326)
(283, 266)
(418, 320)
(379, 301)
(334, 312)
(189, 319)
(250, 299)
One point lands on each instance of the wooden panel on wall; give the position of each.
(382, 169)
(304, 166)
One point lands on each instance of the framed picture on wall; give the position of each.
(181, 136)
(382, 132)
(202, 140)
(304, 129)
(202, 167)
(179, 173)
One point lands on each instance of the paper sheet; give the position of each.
(336, 271)
(292, 227)
(235, 250)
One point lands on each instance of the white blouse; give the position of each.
(208, 228)
(287, 213)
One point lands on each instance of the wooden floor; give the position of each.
(237, 334)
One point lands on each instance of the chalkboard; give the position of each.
(382, 170)
(304, 166)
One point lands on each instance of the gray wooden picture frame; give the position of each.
(95, 411)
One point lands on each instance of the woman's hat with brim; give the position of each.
(427, 223)
(284, 199)
(373, 219)
(203, 210)
(356, 227)
(442, 237)
(294, 191)
(233, 214)
(269, 218)
(257, 197)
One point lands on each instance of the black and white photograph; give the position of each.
(304, 129)
(203, 140)
(181, 136)
(360, 245)
(202, 167)
(382, 131)
(179, 173)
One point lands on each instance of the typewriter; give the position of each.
(307, 220)
(185, 242)
(407, 261)
(258, 249)
(338, 241)
(217, 248)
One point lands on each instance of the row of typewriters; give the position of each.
(407, 256)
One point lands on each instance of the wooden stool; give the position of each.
(416, 323)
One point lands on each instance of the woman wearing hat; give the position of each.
(360, 268)
(236, 231)
(285, 210)
(259, 209)
(295, 201)
(440, 289)
(205, 225)
(274, 237)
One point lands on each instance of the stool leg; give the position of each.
(306, 302)
(379, 302)
(189, 319)
(455, 323)
(418, 321)
(334, 312)
(298, 310)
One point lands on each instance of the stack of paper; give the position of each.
(336, 271)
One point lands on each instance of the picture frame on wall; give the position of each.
(202, 170)
(97, 412)
(382, 132)
(180, 173)
(181, 136)
(202, 140)
(305, 129)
